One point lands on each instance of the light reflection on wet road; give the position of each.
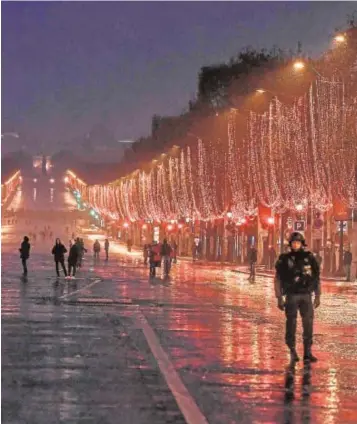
(224, 336)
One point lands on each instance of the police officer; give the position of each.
(297, 276)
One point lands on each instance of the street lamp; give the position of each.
(299, 207)
(262, 91)
(10, 134)
(339, 39)
(299, 65)
(240, 225)
(271, 241)
(271, 220)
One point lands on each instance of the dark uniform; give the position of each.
(73, 259)
(297, 277)
(25, 253)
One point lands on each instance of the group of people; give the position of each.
(76, 252)
(160, 253)
(97, 248)
(75, 255)
(46, 233)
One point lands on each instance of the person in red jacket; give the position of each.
(155, 257)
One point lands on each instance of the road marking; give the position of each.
(185, 401)
(80, 290)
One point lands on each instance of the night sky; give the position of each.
(67, 66)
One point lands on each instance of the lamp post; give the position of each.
(271, 223)
(282, 227)
(10, 134)
(300, 65)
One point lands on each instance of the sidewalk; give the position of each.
(241, 269)
(268, 273)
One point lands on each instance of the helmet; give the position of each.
(297, 237)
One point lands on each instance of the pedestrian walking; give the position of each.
(58, 252)
(297, 277)
(25, 253)
(165, 253)
(196, 249)
(81, 251)
(154, 257)
(252, 257)
(72, 260)
(106, 248)
(347, 263)
(96, 249)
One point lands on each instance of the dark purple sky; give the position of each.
(69, 65)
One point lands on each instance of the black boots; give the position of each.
(308, 356)
(294, 356)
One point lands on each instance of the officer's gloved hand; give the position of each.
(316, 302)
(281, 303)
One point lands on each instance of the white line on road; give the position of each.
(80, 290)
(186, 403)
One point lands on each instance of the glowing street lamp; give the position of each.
(66, 179)
(229, 215)
(299, 65)
(339, 38)
(52, 180)
(180, 226)
(299, 207)
(260, 91)
(144, 227)
(125, 225)
(271, 220)
(170, 227)
(35, 180)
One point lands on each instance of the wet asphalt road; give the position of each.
(73, 351)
